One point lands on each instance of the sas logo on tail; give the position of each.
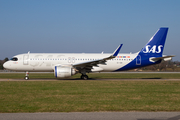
(148, 49)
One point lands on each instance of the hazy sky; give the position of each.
(86, 26)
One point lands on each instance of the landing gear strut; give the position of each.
(84, 77)
(27, 76)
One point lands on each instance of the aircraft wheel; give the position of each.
(84, 77)
(26, 78)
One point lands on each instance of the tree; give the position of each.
(6, 59)
(163, 66)
(2, 62)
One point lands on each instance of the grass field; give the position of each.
(74, 95)
(80, 95)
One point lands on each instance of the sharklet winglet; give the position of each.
(116, 52)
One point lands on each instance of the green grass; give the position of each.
(95, 76)
(89, 95)
(22, 75)
(136, 75)
(75, 95)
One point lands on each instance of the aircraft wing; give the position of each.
(89, 64)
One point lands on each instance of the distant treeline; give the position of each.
(2, 62)
(163, 66)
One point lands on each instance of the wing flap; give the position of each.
(89, 64)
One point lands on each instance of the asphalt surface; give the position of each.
(91, 79)
(92, 116)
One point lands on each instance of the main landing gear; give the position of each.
(84, 77)
(27, 76)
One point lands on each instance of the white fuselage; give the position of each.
(44, 62)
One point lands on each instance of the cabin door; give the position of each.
(138, 60)
(25, 59)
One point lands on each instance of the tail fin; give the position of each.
(155, 46)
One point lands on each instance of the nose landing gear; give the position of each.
(27, 76)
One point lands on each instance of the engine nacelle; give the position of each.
(64, 71)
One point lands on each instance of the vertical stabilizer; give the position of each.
(155, 45)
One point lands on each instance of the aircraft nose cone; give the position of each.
(6, 65)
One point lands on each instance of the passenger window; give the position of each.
(14, 59)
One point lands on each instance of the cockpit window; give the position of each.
(14, 59)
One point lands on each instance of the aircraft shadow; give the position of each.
(152, 78)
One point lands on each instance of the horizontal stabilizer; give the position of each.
(165, 58)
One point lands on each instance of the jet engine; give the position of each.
(64, 71)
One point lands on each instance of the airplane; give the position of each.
(66, 65)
